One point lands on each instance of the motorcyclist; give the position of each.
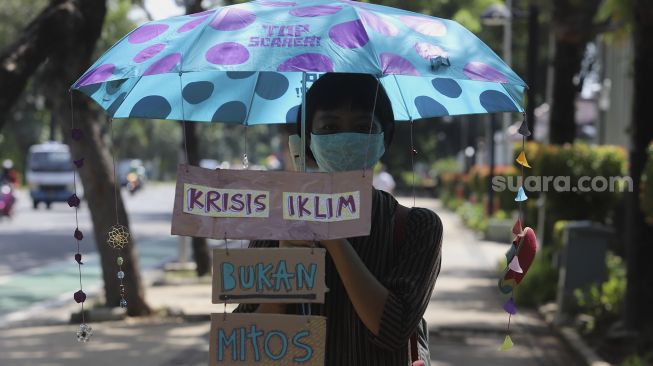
(9, 174)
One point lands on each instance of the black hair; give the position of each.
(334, 90)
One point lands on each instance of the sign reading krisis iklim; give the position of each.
(246, 204)
(286, 275)
(267, 339)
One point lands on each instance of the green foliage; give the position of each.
(646, 189)
(604, 302)
(541, 283)
(473, 216)
(637, 360)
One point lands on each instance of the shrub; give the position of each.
(604, 302)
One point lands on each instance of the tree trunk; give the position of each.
(65, 34)
(639, 250)
(573, 26)
(201, 254)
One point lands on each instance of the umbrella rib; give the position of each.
(403, 99)
(251, 100)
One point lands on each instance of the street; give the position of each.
(37, 261)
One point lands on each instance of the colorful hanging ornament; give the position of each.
(523, 128)
(514, 265)
(510, 307)
(73, 200)
(507, 344)
(118, 237)
(521, 159)
(521, 195)
(84, 333)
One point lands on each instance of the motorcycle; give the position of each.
(7, 199)
(134, 183)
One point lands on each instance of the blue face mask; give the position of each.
(345, 151)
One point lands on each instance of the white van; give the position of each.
(50, 172)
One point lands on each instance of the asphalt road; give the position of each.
(37, 246)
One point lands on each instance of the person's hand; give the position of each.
(296, 244)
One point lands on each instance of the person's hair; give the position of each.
(334, 90)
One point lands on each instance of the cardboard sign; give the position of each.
(267, 339)
(246, 204)
(287, 275)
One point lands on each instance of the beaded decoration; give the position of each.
(85, 331)
(118, 235)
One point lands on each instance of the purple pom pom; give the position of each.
(78, 235)
(76, 134)
(78, 258)
(80, 296)
(73, 201)
(79, 162)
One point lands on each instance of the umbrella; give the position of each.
(251, 63)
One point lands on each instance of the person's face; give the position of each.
(344, 119)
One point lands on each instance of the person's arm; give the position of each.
(392, 307)
(366, 293)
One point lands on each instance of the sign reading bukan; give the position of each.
(245, 204)
(267, 339)
(278, 275)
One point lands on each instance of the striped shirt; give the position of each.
(408, 270)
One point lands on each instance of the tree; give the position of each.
(573, 27)
(63, 37)
(639, 249)
(199, 245)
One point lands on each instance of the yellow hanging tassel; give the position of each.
(521, 159)
(507, 344)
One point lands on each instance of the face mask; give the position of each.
(345, 151)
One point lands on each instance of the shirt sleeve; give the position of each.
(410, 282)
(251, 308)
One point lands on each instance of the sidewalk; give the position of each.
(465, 317)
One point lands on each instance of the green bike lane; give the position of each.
(53, 282)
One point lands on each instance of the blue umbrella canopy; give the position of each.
(246, 63)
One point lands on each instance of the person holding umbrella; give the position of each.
(379, 285)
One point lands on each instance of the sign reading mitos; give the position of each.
(244, 204)
(267, 339)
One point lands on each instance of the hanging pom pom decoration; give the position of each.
(522, 251)
(84, 333)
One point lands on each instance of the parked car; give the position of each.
(50, 174)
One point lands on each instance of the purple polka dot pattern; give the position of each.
(230, 19)
(227, 53)
(483, 72)
(307, 62)
(427, 26)
(149, 52)
(165, 64)
(146, 33)
(394, 64)
(277, 4)
(191, 25)
(378, 24)
(429, 51)
(97, 75)
(349, 34)
(315, 11)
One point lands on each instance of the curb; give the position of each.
(572, 338)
